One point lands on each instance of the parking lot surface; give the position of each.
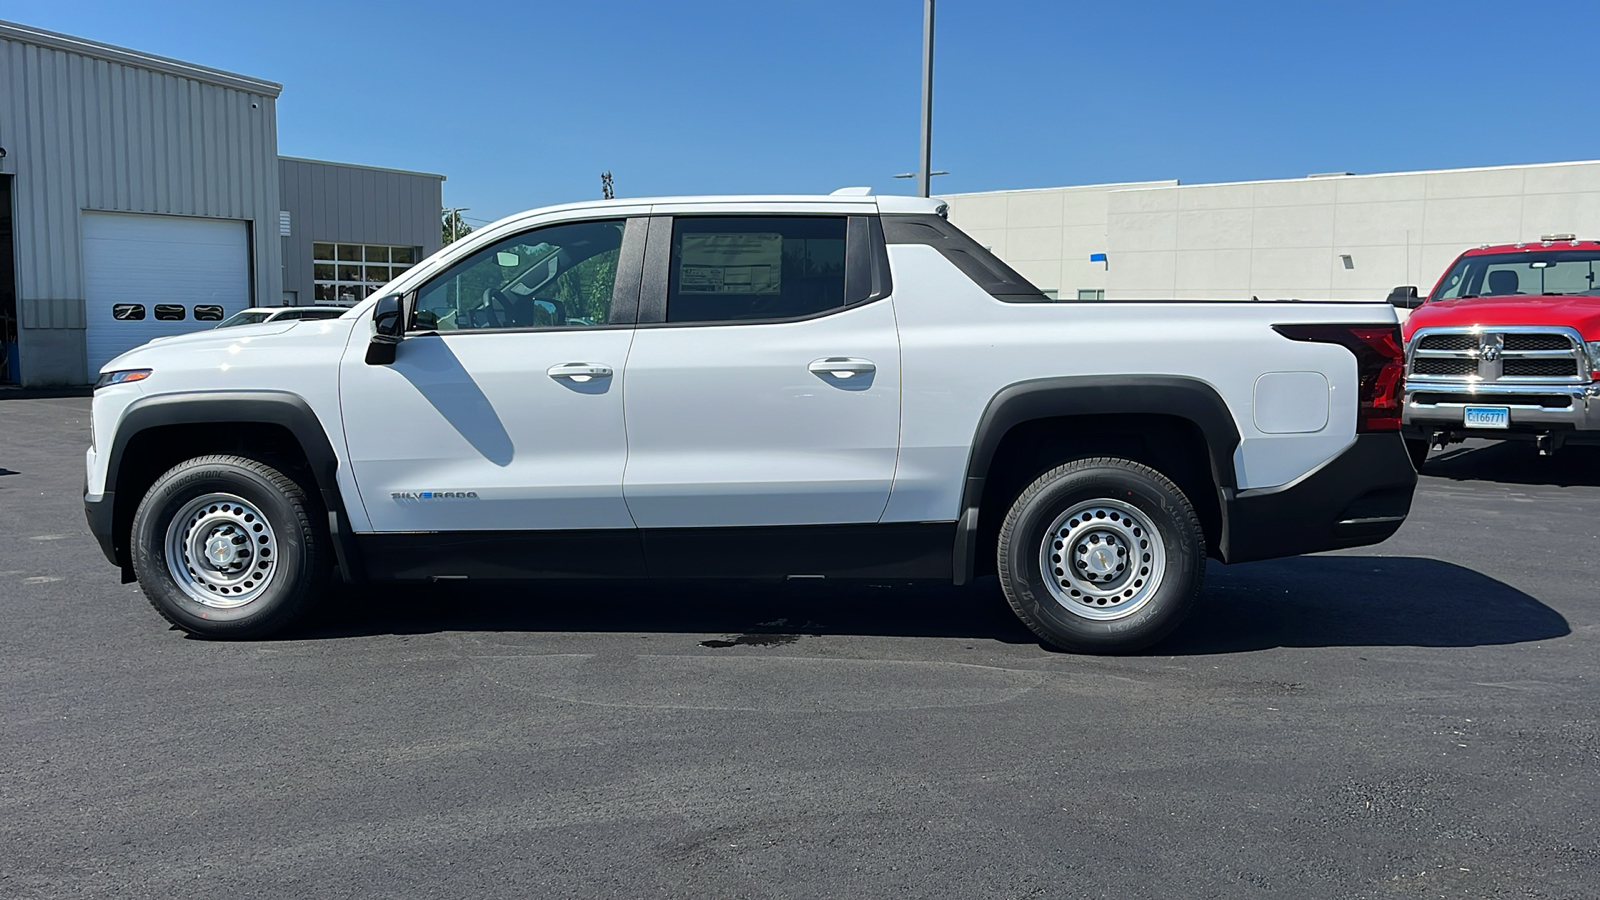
(1415, 719)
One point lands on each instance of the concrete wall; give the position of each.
(354, 205)
(1288, 238)
(91, 127)
(1045, 234)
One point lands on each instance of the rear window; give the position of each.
(984, 268)
(755, 267)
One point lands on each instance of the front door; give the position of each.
(762, 395)
(502, 410)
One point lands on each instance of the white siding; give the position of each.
(1047, 235)
(1277, 238)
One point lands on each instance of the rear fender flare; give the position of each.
(1085, 395)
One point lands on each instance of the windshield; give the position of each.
(248, 317)
(1532, 273)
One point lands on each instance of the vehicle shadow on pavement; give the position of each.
(1516, 462)
(1358, 601)
(1320, 601)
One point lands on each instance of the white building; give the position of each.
(1322, 237)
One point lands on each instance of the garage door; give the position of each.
(152, 276)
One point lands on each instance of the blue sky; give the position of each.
(523, 104)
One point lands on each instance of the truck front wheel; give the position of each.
(229, 547)
(1101, 556)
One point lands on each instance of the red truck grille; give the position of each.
(1508, 355)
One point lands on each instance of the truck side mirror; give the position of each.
(1405, 297)
(389, 326)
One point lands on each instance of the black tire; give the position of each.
(1417, 449)
(1121, 501)
(295, 562)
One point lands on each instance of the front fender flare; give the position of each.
(222, 408)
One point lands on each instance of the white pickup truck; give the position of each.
(839, 386)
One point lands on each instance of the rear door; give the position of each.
(764, 380)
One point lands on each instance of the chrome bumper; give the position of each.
(1533, 407)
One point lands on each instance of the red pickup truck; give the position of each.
(1506, 346)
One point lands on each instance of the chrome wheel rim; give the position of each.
(1102, 560)
(221, 551)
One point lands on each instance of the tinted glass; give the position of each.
(1533, 273)
(755, 267)
(556, 277)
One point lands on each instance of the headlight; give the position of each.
(124, 376)
(1594, 358)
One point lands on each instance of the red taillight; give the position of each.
(1380, 368)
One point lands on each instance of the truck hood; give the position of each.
(1582, 313)
(196, 340)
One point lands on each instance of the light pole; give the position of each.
(925, 169)
(453, 214)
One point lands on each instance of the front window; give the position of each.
(1530, 273)
(562, 276)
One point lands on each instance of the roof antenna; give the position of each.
(606, 190)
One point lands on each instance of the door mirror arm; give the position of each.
(388, 329)
(1405, 297)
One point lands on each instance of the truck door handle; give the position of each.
(842, 366)
(579, 372)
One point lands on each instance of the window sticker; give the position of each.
(741, 263)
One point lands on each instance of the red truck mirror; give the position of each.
(1405, 297)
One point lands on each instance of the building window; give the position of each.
(346, 273)
(1051, 293)
(1091, 294)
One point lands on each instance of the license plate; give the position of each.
(1487, 417)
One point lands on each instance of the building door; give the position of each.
(146, 277)
(8, 288)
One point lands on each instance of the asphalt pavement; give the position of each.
(1415, 719)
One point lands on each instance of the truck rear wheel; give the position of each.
(1101, 555)
(229, 547)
